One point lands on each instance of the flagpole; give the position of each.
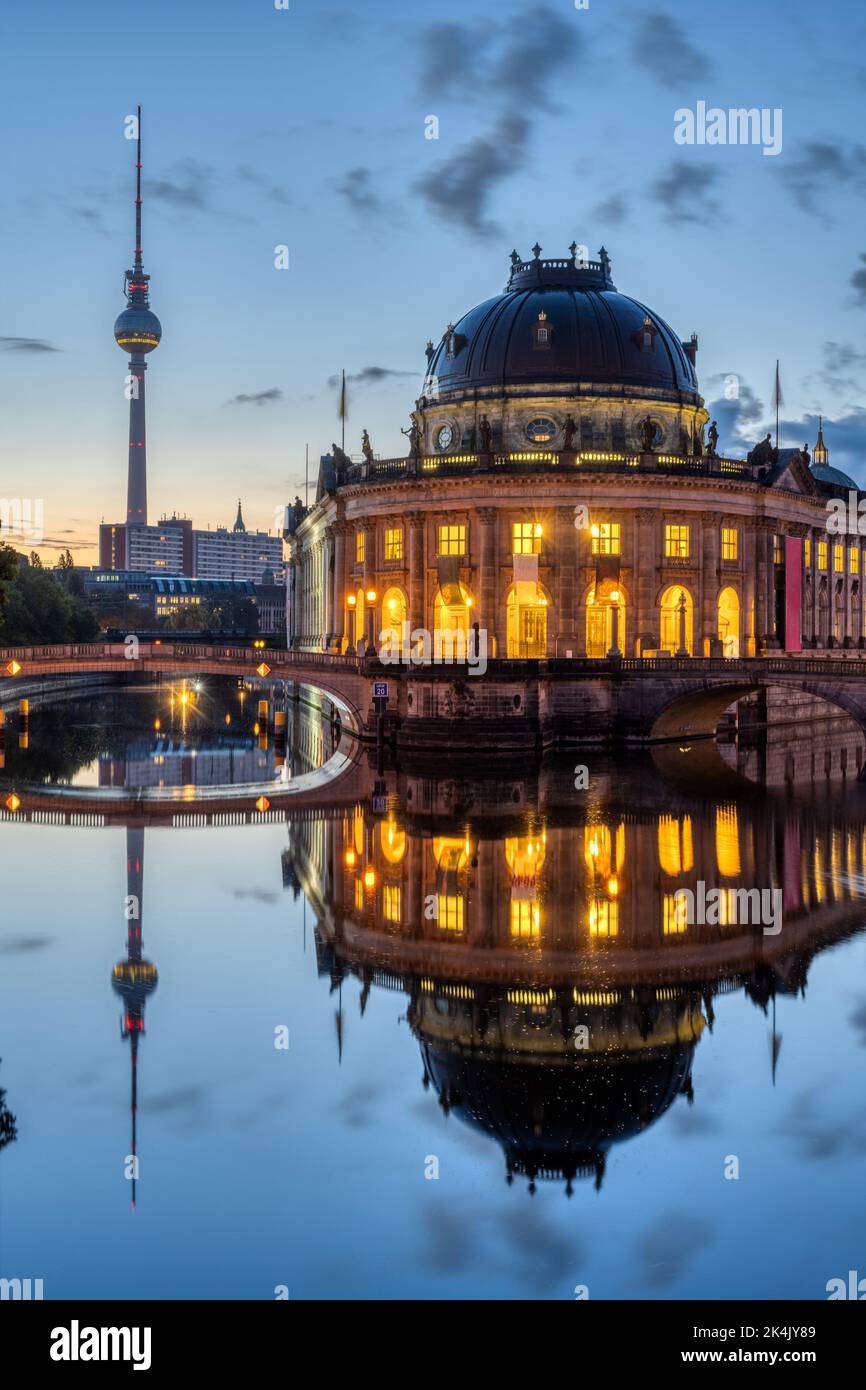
(778, 393)
(307, 476)
(343, 412)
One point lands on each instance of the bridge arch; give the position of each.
(695, 712)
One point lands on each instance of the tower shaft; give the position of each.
(136, 482)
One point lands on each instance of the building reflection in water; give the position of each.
(134, 979)
(556, 990)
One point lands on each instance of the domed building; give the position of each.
(563, 495)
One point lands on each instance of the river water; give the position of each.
(423, 1032)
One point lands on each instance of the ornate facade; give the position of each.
(559, 494)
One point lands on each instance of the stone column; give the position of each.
(749, 616)
(370, 610)
(340, 530)
(647, 620)
(487, 597)
(416, 614)
(565, 596)
(710, 548)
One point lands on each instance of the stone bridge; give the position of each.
(514, 704)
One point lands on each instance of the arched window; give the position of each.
(729, 621)
(526, 620)
(671, 612)
(393, 618)
(600, 606)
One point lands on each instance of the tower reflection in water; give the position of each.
(556, 990)
(134, 979)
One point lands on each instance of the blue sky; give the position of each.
(306, 127)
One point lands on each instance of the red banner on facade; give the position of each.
(793, 594)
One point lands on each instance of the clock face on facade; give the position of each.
(444, 437)
(541, 430)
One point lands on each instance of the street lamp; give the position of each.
(682, 649)
(614, 625)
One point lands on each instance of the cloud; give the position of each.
(258, 397)
(459, 190)
(368, 376)
(665, 1249)
(611, 211)
(738, 418)
(819, 1136)
(816, 175)
(277, 193)
(858, 281)
(24, 945)
(26, 345)
(660, 47)
(843, 364)
(187, 186)
(357, 188)
(858, 1022)
(684, 192)
(451, 58)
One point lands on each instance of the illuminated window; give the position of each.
(807, 552)
(675, 914)
(728, 842)
(391, 902)
(676, 855)
(525, 919)
(777, 550)
(854, 560)
(359, 547)
(729, 542)
(606, 538)
(677, 542)
(449, 912)
(525, 538)
(452, 540)
(603, 918)
(822, 555)
(839, 558)
(394, 543)
(359, 895)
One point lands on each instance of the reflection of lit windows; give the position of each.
(675, 914)
(449, 914)
(525, 919)
(359, 895)
(807, 553)
(603, 918)
(839, 559)
(391, 903)
(728, 841)
(452, 540)
(729, 542)
(777, 550)
(359, 547)
(605, 537)
(526, 538)
(603, 854)
(394, 543)
(822, 555)
(854, 560)
(393, 840)
(677, 542)
(727, 907)
(675, 845)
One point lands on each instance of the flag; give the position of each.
(778, 398)
(525, 578)
(448, 568)
(343, 410)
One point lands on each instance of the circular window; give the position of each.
(444, 437)
(541, 430)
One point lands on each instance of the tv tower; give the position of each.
(137, 331)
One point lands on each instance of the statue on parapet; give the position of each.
(646, 434)
(342, 462)
(569, 432)
(485, 434)
(713, 436)
(413, 434)
(763, 454)
(366, 447)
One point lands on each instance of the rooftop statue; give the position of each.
(646, 434)
(763, 453)
(569, 431)
(413, 434)
(366, 447)
(713, 439)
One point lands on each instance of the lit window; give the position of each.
(391, 902)
(359, 547)
(807, 552)
(777, 550)
(525, 919)
(605, 538)
(449, 915)
(677, 542)
(675, 914)
(822, 555)
(359, 895)
(603, 918)
(526, 538)
(839, 559)
(452, 540)
(729, 542)
(394, 543)
(854, 560)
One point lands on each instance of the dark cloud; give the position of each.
(548, 1253)
(449, 1246)
(187, 186)
(738, 416)
(257, 895)
(368, 376)
(818, 1134)
(357, 188)
(842, 367)
(611, 211)
(858, 1022)
(858, 281)
(26, 345)
(459, 190)
(276, 193)
(451, 56)
(24, 945)
(183, 1099)
(665, 1249)
(258, 397)
(660, 47)
(684, 192)
(815, 176)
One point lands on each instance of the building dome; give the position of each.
(833, 477)
(564, 321)
(137, 330)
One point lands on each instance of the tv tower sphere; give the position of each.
(137, 329)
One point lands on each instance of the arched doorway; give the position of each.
(526, 621)
(394, 609)
(729, 621)
(452, 622)
(670, 613)
(602, 603)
